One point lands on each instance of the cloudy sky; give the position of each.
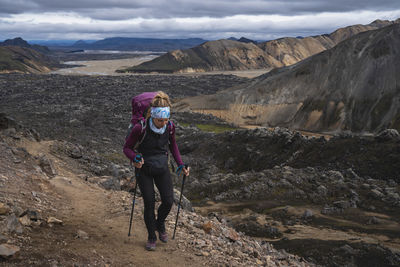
(208, 19)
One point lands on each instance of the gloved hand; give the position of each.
(138, 162)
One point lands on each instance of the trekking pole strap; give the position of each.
(179, 169)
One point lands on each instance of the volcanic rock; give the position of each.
(8, 251)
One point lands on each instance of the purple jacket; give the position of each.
(136, 135)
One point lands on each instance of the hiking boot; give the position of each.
(163, 236)
(151, 245)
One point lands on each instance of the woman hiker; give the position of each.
(159, 133)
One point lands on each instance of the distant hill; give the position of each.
(218, 55)
(245, 40)
(353, 86)
(22, 43)
(139, 44)
(80, 43)
(24, 60)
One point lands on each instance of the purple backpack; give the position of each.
(140, 105)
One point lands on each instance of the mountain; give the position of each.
(353, 86)
(213, 55)
(80, 43)
(23, 59)
(22, 43)
(139, 44)
(245, 40)
(233, 56)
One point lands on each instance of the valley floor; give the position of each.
(109, 67)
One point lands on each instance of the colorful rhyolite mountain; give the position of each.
(353, 86)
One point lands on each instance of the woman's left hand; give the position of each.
(186, 172)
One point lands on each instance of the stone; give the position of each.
(47, 166)
(32, 215)
(375, 193)
(185, 203)
(208, 227)
(373, 220)
(387, 135)
(35, 134)
(82, 235)
(7, 251)
(76, 152)
(3, 238)
(322, 191)
(109, 183)
(205, 253)
(307, 214)
(365, 186)
(13, 225)
(393, 196)
(342, 204)
(4, 210)
(348, 250)
(25, 220)
(53, 220)
(231, 234)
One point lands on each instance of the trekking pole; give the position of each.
(179, 205)
(138, 158)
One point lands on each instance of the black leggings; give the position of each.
(164, 184)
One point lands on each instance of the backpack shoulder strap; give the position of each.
(143, 123)
(171, 127)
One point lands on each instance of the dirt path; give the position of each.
(104, 216)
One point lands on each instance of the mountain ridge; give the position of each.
(271, 54)
(24, 60)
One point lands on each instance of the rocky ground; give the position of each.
(335, 202)
(55, 214)
(341, 195)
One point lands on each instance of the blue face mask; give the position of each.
(155, 129)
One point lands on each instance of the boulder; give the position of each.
(4, 210)
(82, 235)
(53, 220)
(6, 122)
(387, 135)
(185, 203)
(8, 251)
(47, 166)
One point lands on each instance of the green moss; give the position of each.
(214, 128)
(279, 192)
(211, 127)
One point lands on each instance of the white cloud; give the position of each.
(77, 25)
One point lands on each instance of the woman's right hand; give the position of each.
(138, 164)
